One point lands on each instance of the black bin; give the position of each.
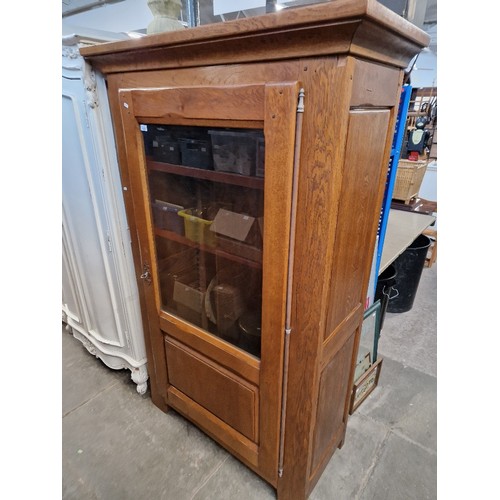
(409, 266)
(386, 290)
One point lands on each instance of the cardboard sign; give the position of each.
(232, 225)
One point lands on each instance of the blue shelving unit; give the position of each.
(397, 142)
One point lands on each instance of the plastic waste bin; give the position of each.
(386, 290)
(409, 266)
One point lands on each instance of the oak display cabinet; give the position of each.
(253, 157)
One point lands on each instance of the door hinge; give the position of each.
(280, 472)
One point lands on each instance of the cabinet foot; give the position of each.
(65, 323)
(140, 377)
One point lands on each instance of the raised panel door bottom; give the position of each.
(224, 394)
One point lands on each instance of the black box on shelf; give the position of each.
(166, 216)
(166, 149)
(196, 153)
(234, 151)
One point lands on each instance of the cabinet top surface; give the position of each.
(358, 27)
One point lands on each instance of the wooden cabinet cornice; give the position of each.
(361, 28)
(257, 343)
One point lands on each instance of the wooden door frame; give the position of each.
(274, 106)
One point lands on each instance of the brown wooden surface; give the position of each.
(292, 19)
(222, 393)
(210, 175)
(356, 189)
(279, 127)
(221, 352)
(136, 199)
(239, 445)
(339, 336)
(330, 28)
(281, 110)
(382, 179)
(374, 85)
(350, 185)
(213, 103)
(330, 414)
(327, 85)
(231, 74)
(357, 205)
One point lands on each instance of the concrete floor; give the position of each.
(117, 445)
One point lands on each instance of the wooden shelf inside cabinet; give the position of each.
(209, 175)
(170, 235)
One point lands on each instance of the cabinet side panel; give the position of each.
(358, 206)
(327, 85)
(330, 414)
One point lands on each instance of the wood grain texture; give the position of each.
(345, 187)
(279, 131)
(216, 349)
(222, 393)
(272, 46)
(215, 103)
(292, 18)
(228, 74)
(371, 41)
(358, 204)
(134, 198)
(382, 179)
(337, 338)
(327, 29)
(239, 445)
(275, 104)
(328, 87)
(374, 85)
(199, 173)
(330, 414)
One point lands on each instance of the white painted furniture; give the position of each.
(100, 296)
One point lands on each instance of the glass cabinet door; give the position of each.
(209, 172)
(206, 189)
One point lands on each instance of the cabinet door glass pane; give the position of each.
(207, 202)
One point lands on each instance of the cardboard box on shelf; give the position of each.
(238, 234)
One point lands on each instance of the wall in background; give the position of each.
(424, 73)
(129, 15)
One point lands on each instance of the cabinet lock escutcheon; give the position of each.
(146, 275)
